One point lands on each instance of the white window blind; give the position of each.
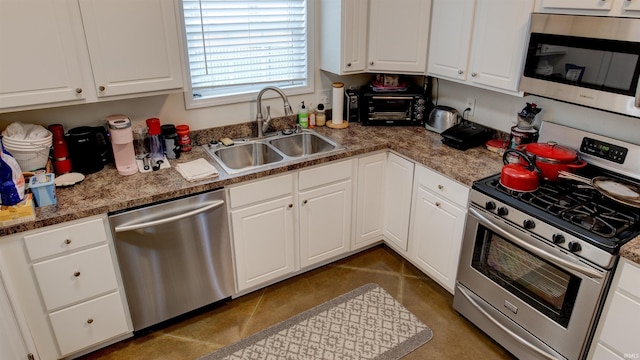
(237, 47)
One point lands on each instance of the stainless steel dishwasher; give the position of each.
(174, 256)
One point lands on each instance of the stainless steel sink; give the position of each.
(245, 156)
(302, 144)
(260, 153)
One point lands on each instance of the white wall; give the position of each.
(499, 111)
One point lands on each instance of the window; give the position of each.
(235, 48)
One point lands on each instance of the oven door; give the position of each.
(529, 295)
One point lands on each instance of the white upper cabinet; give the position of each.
(133, 45)
(66, 52)
(389, 36)
(480, 43)
(343, 36)
(398, 35)
(42, 60)
(627, 8)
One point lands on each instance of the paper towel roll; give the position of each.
(338, 103)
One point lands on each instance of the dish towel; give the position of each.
(196, 170)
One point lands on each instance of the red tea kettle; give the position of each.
(518, 176)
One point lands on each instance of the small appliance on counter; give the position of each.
(122, 144)
(89, 148)
(442, 118)
(394, 107)
(351, 106)
(465, 135)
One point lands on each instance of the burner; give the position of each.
(599, 219)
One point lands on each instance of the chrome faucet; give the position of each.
(263, 124)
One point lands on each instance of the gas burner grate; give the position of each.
(599, 219)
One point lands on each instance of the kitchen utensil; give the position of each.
(551, 158)
(442, 118)
(621, 191)
(518, 177)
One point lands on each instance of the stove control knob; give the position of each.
(574, 246)
(529, 224)
(502, 211)
(490, 205)
(558, 238)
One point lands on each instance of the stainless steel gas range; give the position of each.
(535, 267)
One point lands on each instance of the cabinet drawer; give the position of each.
(75, 277)
(64, 239)
(325, 174)
(89, 323)
(261, 190)
(443, 186)
(629, 279)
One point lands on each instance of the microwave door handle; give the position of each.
(161, 221)
(497, 323)
(638, 93)
(534, 249)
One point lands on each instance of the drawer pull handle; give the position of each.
(440, 187)
(76, 273)
(89, 321)
(68, 241)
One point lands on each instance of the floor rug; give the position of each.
(365, 323)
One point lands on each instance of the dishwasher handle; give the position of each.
(147, 224)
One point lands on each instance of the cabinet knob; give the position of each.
(305, 202)
(348, 64)
(290, 206)
(78, 90)
(371, 63)
(473, 74)
(76, 273)
(437, 203)
(89, 321)
(440, 186)
(101, 88)
(67, 241)
(460, 72)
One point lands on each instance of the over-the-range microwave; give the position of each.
(586, 60)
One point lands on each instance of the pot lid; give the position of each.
(552, 152)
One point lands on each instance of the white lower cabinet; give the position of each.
(277, 230)
(397, 208)
(14, 342)
(616, 336)
(262, 223)
(67, 283)
(437, 225)
(370, 201)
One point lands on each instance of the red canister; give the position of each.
(184, 137)
(61, 161)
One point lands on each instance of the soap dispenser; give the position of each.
(303, 117)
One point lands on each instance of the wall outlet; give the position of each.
(324, 98)
(471, 105)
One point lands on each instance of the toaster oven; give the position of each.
(393, 107)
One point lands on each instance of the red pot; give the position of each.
(551, 158)
(517, 176)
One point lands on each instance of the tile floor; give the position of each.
(198, 334)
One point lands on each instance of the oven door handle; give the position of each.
(533, 249)
(497, 323)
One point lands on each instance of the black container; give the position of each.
(171, 147)
(89, 148)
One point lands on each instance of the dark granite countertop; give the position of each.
(106, 191)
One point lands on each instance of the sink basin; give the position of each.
(302, 144)
(243, 156)
(280, 149)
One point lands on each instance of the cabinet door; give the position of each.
(12, 344)
(343, 22)
(133, 45)
(397, 209)
(325, 222)
(497, 54)
(263, 237)
(450, 38)
(398, 35)
(41, 59)
(436, 236)
(370, 199)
